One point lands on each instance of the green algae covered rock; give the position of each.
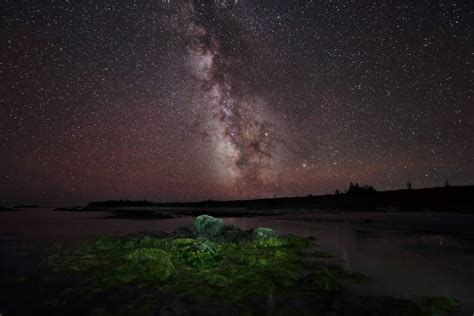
(130, 244)
(149, 263)
(108, 243)
(195, 252)
(208, 226)
(182, 242)
(220, 263)
(270, 242)
(264, 237)
(161, 270)
(264, 233)
(150, 242)
(145, 254)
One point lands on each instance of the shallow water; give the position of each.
(400, 258)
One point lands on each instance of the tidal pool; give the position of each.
(406, 259)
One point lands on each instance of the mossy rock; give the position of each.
(150, 242)
(182, 242)
(145, 254)
(270, 242)
(162, 270)
(195, 252)
(148, 263)
(130, 244)
(108, 243)
(204, 261)
(264, 233)
(208, 226)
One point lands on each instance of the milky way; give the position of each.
(202, 99)
(239, 129)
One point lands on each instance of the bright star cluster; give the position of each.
(203, 99)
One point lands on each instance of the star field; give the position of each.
(190, 100)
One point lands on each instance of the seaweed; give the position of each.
(209, 262)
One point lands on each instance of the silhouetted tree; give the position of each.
(357, 189)
(351, 187)
(409, 186)
(337, 192)
(446, 183)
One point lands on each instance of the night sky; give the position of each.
(191, 100)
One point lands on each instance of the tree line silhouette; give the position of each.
(121, 203)
(357, 197)
(356, 189)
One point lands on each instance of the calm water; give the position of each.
(401, 259)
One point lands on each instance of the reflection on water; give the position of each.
(400, 262)
(48, 225)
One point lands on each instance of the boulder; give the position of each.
(264, 233)
(208, 226)
(195, 252)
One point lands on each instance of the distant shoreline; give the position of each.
(445, 199)
(450, 199)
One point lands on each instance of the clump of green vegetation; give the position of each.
(194, 252)
(217, 261)
(209, 260)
